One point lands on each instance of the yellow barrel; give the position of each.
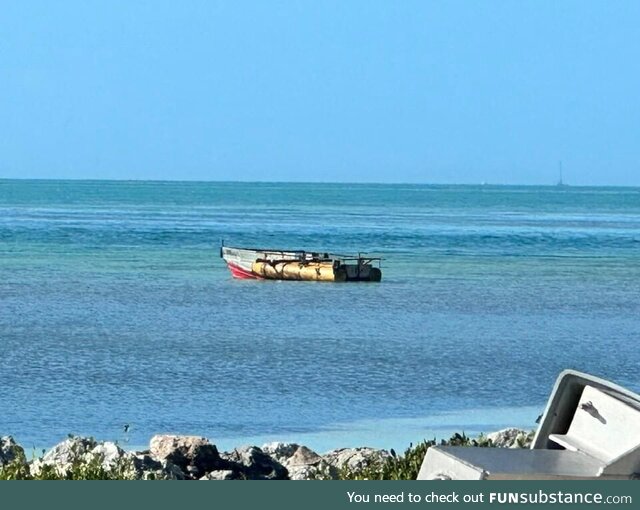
(296, 270)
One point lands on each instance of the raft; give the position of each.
(255, 263)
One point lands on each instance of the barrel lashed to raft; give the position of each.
(295, 270)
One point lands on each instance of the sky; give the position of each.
(334, 91)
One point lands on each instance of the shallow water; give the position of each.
(115, 308)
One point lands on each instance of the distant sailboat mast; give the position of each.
(560, 182)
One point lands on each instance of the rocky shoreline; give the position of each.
(171, 457)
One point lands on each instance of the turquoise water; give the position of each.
(115, 308)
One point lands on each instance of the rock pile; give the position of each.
(10, 451)
(511, 438)
(171, 457)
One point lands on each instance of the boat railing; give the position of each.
(285, 255)
(360, 259)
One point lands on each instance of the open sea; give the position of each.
(115, 309)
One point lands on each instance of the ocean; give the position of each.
(115, 309)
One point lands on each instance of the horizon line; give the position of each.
(376, 183)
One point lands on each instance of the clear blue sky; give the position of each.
(393, 91)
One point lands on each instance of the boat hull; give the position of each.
(241, 273)
(244, 263)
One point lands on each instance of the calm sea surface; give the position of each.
(116, 308)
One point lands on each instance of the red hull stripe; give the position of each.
(238, 272)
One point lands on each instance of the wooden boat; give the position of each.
(257, 263)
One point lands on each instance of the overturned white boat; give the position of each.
(590, 429)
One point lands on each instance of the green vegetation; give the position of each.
(92, 469)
